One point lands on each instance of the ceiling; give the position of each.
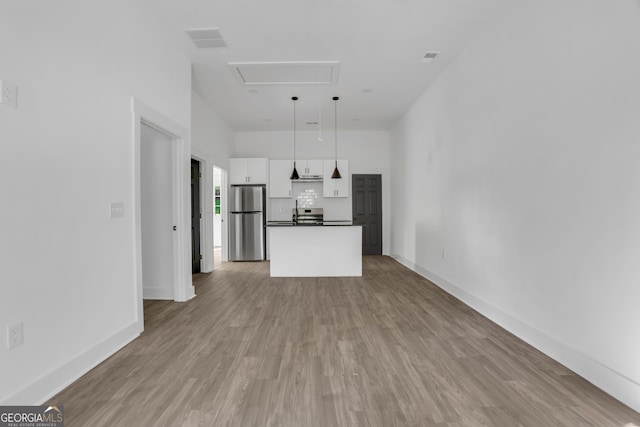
(378, 46)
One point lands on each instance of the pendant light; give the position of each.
(294, 173)
(336, 172)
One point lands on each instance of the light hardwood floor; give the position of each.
(387, 349)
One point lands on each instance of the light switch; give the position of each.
(116, 210)
(15, 335)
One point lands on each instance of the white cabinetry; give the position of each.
(335, 187)
(315, 251)
(248, 171)
(279, 178)
(309, 167)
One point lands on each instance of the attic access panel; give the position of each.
(286, 73)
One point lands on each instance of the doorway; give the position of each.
(151, 122)
(156, 210)
(218, 210)
(367, 211)
(196, 217)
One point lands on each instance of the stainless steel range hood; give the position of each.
(309, 178)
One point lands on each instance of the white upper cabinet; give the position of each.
(309, 167)
(248, 171)
(335, 187)
(279, 178)
(258, 171)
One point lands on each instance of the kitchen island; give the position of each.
(331, 249)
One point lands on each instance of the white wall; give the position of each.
(367, 152)
(212, 142)
(68, 270)
(521, 162)
(211, 137)
(156, 211)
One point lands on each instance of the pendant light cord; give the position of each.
(336, 172)
(319, 115)
(294, 172)
(335, 138)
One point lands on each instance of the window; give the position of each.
(217, 205)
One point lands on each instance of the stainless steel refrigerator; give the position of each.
(246, 223)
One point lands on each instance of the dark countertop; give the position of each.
(323, 224)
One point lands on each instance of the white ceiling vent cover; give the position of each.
(429, 57)
(286, 73)
(206, 38)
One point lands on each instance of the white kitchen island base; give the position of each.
(322, 251)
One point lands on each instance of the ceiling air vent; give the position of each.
(429, 57)
(206, 38)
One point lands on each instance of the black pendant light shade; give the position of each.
(336, 172)
(294, 173)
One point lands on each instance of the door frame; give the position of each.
(206, 201)
(206, 205)
(224, 229)
(180, 177)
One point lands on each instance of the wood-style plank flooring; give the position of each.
(387, 349)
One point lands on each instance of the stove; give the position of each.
(308, 216)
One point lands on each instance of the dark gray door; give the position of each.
(196, 255)
(367, 211)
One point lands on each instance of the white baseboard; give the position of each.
(158, 293)
(56, 380)
(612, 382)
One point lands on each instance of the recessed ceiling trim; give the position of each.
(286, 72)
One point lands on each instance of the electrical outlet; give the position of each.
(9, 94)
(116, 210)
(444, 253)
(15, 335)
